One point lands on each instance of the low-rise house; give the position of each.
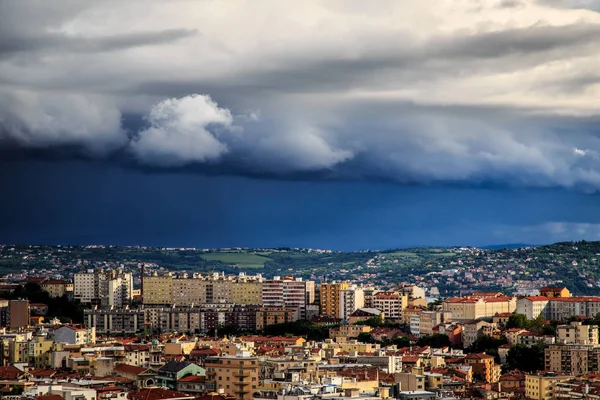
(192, 384)
(169, 374)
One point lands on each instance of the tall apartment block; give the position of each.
(104, 288)
(196, 289)
(330, 298)
(351, 299)
(287, 292)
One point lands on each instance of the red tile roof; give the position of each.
(156, 394)
(193, 379)
(10, 373)
(129, 369)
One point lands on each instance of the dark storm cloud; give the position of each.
(64, 43)
(339, 91)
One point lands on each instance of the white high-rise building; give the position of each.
(286, 292)
(351, 299)
(110, 288)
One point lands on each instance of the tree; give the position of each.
(436, 341)
(365, 337)
(517, 321)
(526, 358)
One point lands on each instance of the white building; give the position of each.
(415, 325)
(533, 306)
(111, 288)
(70, 335)
(351, 299)
(286, 292)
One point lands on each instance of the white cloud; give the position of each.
(179, 132)
(49, 119)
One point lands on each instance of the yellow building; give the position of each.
(57, 288)
(195, 290)
(36, 352)
(484, 367)
(541, 387)
(188, 291)
(470, 308)
(555, 292)
(577, 333)
(247, 292)
(275, 315)
(330, 298)
(237, 376)
(158, 289)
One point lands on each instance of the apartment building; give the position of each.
(105, 288)
(554, 292)
(18, 314)
(430, 319)
(577, 333)
(541, 386)
(330, 298)
(286, 292)
(483, 365)
(57, 287)
(572, 359)
(534, 306)
(184, 290)
(236, 375)
(390, 303)
(351, 299)
(115, 321)
(266, 316)
(470, 308)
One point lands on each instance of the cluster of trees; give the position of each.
(59, 307)
(539, 324)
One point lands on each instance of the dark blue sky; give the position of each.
(78, 202)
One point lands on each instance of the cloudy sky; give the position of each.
(344, 124)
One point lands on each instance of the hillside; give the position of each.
(451, 270)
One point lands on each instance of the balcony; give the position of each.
(242, 374)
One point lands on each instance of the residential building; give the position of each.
(541, 387)
(351, 299)
(577, 333)
(235, 375)
(553, 292)
(18, 314)
(69, 334)
(470, 308)
(330, 298)
(266, 316)
(533, 306)
(484, 367)
(363, 314)
(430, 319)
(169, 374)
(57, 287)
(286, 292)
(116, 321)
(390, 303)
(572, 359)
(106, 288)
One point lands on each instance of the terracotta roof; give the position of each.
(50, 397)
(537, 298)
(193, 379)
(10, 373)
(129, 369)
(42, 373)
(478, 356)
(156, 394)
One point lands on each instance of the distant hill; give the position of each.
(508, 246)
